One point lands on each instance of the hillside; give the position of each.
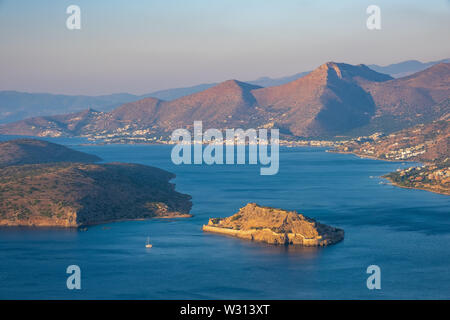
(15, 106)
(31, 151)
(326, 102)
(424, 142)
(405, 68)
(74, 194)
(275, 226)
(434, 177)
(404, 102)
(428, 143)
(228, 103)
(336, 99)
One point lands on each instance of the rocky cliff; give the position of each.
(275, 226)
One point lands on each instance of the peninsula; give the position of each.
(72, 194)
(275, 226)
(427, 143)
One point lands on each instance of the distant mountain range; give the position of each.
(405, 68)
(16, 105)
(172, 94)
(333, 100)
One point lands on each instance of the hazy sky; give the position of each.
(141, 46)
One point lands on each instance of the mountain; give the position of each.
(405, 68)
(272, 82)
(72, 124)
(395, 70)
(16, 105)
(31, 151)
(404, 102)
(230, 101)
(327, 101)
(175, 93)
(224, 104)
(333, 100)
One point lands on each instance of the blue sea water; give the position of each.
(405, 232)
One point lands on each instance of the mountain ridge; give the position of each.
(15, 105)
(334, 99)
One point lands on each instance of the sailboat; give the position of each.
(148, 244)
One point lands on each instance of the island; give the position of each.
(275, 226)
(74, 194)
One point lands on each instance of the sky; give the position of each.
(139, 46)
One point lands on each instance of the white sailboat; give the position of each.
(148, 244)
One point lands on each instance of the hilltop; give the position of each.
(275, 226)
(32, 151)
(326, 102)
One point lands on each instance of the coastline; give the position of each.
(387, 178)
(61, 226)
(371, 157)
(414, 188)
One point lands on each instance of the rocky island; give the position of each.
(72, 194)
(275, 226)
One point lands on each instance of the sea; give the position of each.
(405, 232)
